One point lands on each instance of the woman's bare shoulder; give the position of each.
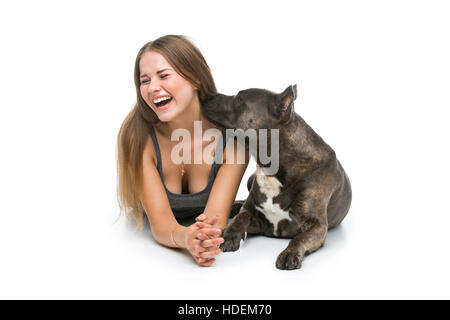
(149, 153)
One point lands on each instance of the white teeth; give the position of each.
(161, 99)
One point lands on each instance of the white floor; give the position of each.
(369, 256)
(379, 251)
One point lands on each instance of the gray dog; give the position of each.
(309, 194)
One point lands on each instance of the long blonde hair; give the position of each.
(187, 61)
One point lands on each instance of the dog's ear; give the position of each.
(285, 103)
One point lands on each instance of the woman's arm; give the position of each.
(165, 228)
(226, 184)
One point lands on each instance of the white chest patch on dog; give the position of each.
(270, 187)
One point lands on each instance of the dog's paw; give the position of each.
(232, 240)
(288, 260)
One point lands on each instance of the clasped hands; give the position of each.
(203, 240)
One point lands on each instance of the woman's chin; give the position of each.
(165, 116)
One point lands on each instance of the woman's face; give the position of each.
(164, 90)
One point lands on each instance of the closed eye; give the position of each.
(163, 76)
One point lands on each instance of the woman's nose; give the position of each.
(154, 86)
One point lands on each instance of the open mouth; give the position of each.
(161, 102)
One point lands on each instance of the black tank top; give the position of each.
(193, 204)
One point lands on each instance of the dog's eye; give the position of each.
(239, 100)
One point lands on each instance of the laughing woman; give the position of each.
(172, 79)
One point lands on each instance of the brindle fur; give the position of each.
(315, 188)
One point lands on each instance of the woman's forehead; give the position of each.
(151, 62)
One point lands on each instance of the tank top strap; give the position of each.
(158, 152)
(218, 154)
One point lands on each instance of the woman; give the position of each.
(172, 79)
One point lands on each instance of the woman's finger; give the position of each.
(200, 225)
(215, 232)
(207, 263)
(200, 260)
(201, 236)
(207, 229)
(211, 242)
(196, 248)
(199, 249)
(212, 220)
(201, 217)
(209, 254)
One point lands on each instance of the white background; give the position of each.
(373, 80)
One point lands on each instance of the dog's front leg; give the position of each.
(235, 232)
(305, 242)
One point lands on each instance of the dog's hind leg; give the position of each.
(242, 223)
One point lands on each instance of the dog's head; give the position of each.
(251, 109)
